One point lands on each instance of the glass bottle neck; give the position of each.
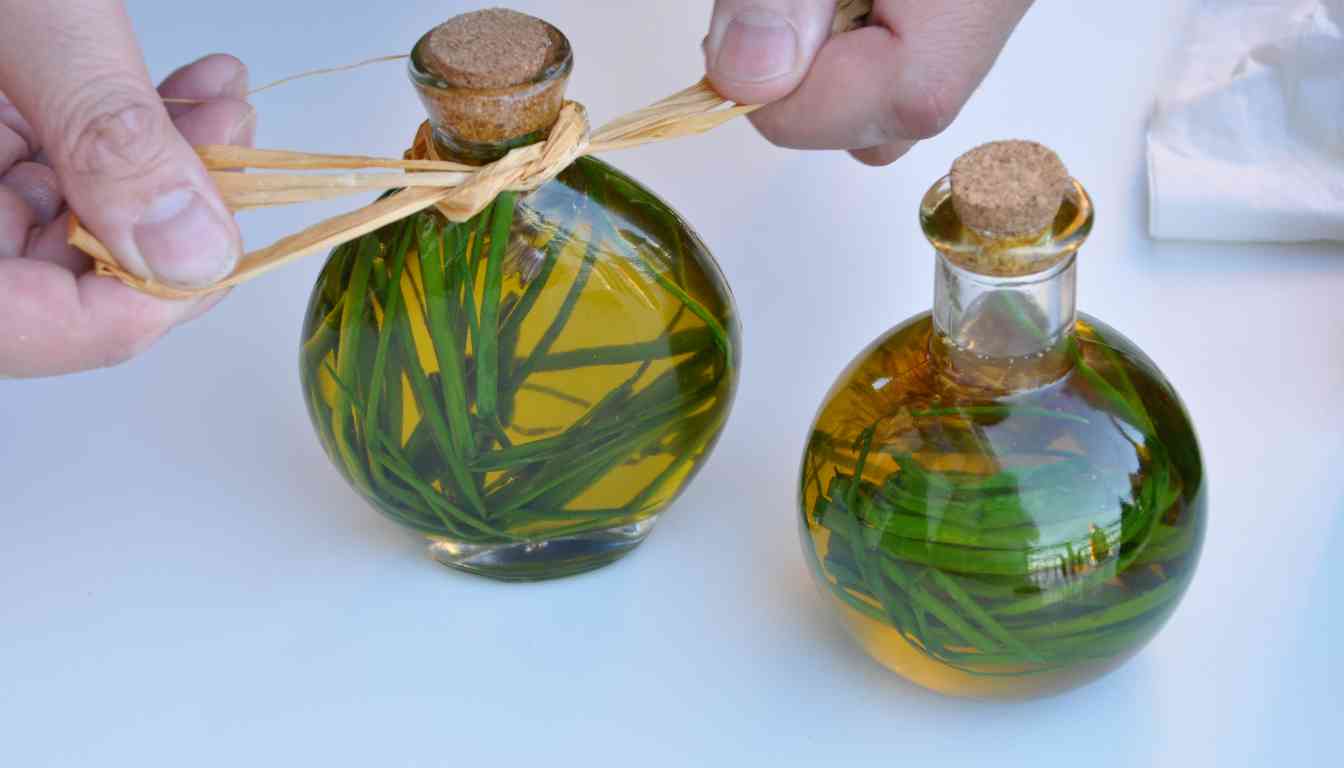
(462, 150)
(1004, 309)
(1004, 332)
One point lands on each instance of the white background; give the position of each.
(185, 580)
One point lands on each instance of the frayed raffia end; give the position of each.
(457, 191)
(850, 15)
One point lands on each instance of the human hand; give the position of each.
(875, 91)
(82, 130)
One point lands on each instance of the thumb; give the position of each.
(758, 51)
(75, 72)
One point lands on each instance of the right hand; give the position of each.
(82, 130)
(875, 91)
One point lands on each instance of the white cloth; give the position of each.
(1247, 143)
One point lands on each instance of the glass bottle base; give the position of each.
(542, 560)
(907, 660)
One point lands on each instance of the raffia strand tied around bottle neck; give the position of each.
(458, 191)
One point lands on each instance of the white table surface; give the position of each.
(185, 580)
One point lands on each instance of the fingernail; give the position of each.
(245, 130)
(757, 46)
(183, 241)
(237, 85)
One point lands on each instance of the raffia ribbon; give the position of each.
(458, 191)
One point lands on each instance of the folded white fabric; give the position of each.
(1248, 142)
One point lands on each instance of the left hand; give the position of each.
(82, 129)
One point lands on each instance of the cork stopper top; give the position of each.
(490, 81)
(1009, 188)
(493, 48)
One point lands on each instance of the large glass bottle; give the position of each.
(531, 388)
(1003, 498)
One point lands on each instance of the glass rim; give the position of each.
(1053, 249)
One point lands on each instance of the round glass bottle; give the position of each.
(531, 388)
(1003, 498)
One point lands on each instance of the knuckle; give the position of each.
(776, 129)
(36, 185)
(111, 356)
(923, 117)
(111, 129)
(122, 350)
(17, 223)
(136, 331)
(22, 289)
(775, 135)
(19, 132)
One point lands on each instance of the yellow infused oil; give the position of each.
(1003, 498)
(608, 343)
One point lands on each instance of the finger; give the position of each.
(225, 120)
(903, 79)
(222, 121)
(204, 305)
(74, 69)
(51, 244)
(885, 154)
(36, 185)
(16, 222)
(11, 119)
(46, 243)
(758, 51)
(13, 148)
(220, 81)
(218, 75)
(56, 323)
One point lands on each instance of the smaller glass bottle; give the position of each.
(1003, 498)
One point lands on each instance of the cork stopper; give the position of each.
(491, 80)
(1008, 209)
(1009, 189)
(494, 48)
